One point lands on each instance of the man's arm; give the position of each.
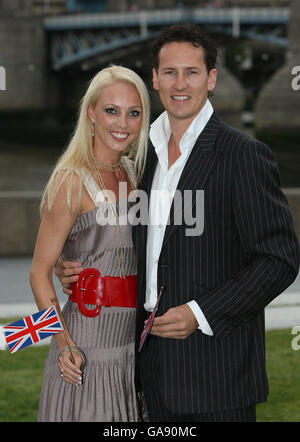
(264, 223)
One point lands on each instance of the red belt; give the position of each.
(108, 291)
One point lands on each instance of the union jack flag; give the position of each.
(149, 323)
(32, 329)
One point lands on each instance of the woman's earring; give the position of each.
(93, 129)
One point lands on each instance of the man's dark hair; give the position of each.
(186, 33)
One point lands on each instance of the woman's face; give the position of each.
(117, 117)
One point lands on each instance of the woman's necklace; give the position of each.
(119, 243)
(114, 168)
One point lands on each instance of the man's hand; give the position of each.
(67, 272)
(178, 322)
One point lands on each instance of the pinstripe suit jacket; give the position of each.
(246, 256)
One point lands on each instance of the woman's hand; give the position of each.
(70, 372)
(67, 272)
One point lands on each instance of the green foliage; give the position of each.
(21, 379)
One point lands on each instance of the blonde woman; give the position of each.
(81, 209)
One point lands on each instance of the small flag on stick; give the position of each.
(32, 329)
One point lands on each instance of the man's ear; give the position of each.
(212, 78)
(90, 113)
(155, 79)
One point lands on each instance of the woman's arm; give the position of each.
(54, 229)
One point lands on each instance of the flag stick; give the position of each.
(56, 304)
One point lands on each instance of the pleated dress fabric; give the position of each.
(108, 392)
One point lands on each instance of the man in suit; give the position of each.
(205, 357)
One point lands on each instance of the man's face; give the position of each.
(182, 80)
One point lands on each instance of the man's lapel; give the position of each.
(145, 186)
(197, 170)
(150, 169)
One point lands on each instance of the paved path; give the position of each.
(16, 298)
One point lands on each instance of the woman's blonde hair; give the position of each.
(79, 152)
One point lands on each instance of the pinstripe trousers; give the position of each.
(151, 383)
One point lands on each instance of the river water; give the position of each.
(27, 166)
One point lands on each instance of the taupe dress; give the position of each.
(108, 393)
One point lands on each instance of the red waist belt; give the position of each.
(108, 291)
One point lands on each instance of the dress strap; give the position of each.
(91, 186)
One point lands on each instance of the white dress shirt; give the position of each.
(164, 185)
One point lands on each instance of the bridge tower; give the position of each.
(22, 55)
(229, 96)
(278, 105)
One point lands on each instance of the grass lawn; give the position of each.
(283, 367)
(21, 377)
(20, 383)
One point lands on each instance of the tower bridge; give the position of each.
(75, 38)
(48, 60)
